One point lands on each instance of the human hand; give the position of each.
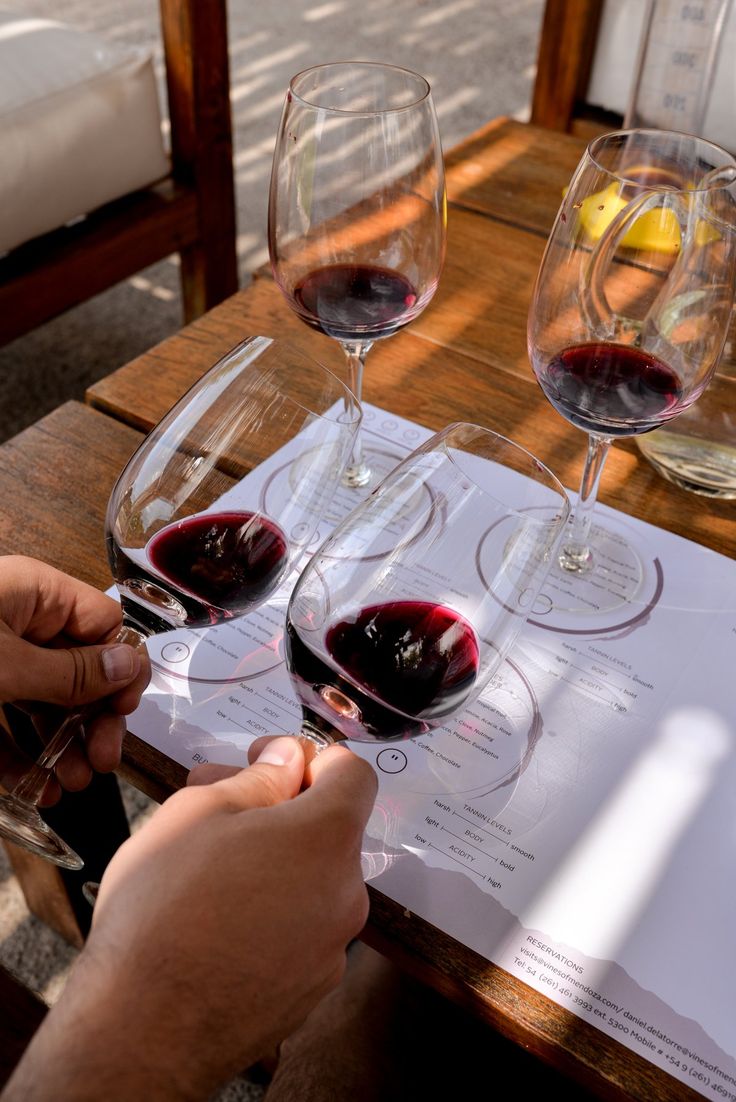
(218, 926)
(44, 617)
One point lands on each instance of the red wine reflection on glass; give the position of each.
(188, 541)
(633, 298)
(356, 221)
(408, 609)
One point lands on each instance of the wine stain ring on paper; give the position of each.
(289, 480)
(552, 611)
(425, 500)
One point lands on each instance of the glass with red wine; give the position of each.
(188, 538)
(409, 608)
(356, 223)
(632, 303)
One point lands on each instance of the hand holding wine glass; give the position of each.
(189, 541)
(405, 613)
(634, 294)
(356, 224)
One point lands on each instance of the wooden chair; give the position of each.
(191, 212)
(564, 63)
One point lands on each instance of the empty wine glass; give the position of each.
(356, 222)
(404, 614)
(188, 540)
(632, 302)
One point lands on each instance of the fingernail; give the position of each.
(279, 752)
(119, 662)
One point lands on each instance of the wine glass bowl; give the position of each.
(633, 298)
(190, 543)
(356, 224)
(191, 540)
(405, 613)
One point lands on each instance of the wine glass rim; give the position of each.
(593, 147)
(339, 417)
(364, 112)
(550, 477)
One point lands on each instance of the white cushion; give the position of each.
(80, 125)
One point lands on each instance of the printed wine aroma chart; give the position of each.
(577, 824)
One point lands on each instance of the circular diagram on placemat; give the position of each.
(617, 595)
(245, 648)
(293, 480)
(483, 750)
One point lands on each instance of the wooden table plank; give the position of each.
(513, 172)
(481, 305)
(63, 466)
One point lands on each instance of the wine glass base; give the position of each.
(377, 461)
(357, 475)
(21, 824)
(605, 576)
(576, 560)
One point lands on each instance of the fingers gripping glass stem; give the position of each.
(20, 821)
(189, 542)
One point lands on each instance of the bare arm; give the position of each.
(218, 927)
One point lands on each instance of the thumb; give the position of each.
(275, 776)
(66, 676)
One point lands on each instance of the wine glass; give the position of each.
(407, 610)
(632, 302)
(188, 539)
(357, 213)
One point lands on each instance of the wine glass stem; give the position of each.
(357, 472)
(30, 788)
(576, 555)
(315, 739)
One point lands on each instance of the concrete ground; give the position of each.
(479, 57)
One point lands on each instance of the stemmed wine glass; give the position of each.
(632, 302)
(188, 540)
(356, 223)
(407, 610)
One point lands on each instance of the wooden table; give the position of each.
(464, 359)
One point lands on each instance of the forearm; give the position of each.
(117, 1041)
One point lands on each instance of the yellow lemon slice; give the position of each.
(598, 211)
(653, 231)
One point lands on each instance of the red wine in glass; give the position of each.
(212, 566)
(393, 671)
(357, 214)
(609, 388)
(352, 302)
(180, 555)
(629, 314)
